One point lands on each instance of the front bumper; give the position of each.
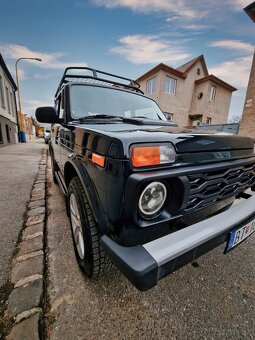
(145, 264)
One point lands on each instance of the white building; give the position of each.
(8, 108)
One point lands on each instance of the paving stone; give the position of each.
(30, 237)
(27, 280)
(24, 315)
(30, 246)
(38, 191)
(28, 329)
(27, 256)
(35, 204)
(36, 211)
(38, 218)
(37, 197)
(38, 182)
(41, 178)
(24, 298)
(36, 228)
(27, 268)
(40, 186)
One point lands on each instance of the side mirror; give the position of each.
(47, 114)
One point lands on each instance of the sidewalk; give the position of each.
(18, 168)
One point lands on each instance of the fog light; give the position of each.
(152, 199)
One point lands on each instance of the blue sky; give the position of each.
(127, 37)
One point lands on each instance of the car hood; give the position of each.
(185, 140)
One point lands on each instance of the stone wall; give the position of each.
(247, 127)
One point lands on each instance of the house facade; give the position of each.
(247, 127)
(8, 109)
(188, 95)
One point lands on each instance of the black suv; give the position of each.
(145, 194)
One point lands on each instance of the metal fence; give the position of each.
(230, 128)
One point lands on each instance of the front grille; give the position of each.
(210, 187)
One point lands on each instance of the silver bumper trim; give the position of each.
(178, 243)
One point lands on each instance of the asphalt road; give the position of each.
(18, 168)
(214, 299)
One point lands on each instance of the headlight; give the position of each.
(152, 155)
(152, 199)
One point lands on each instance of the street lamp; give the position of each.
(22, 133)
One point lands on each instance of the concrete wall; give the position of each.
(218, 109)
(8, 115)
(12, 128)
(247, 127)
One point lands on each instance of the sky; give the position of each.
(125, 37)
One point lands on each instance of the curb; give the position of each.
(25, 303)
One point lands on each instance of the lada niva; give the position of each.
(141, 192)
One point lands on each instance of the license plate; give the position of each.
(240, 234)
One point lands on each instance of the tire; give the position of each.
(89, 253)
(53, 169)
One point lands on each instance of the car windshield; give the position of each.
(94, 100)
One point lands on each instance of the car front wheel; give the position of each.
(89, 253)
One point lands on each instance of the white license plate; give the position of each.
(240, 234)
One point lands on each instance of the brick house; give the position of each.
(188, 94)
(247, 127)
(8, 109)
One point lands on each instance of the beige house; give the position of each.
(188, 94)
(247, 127)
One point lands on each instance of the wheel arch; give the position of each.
(75, 167)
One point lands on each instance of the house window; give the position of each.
(208, 120)
(1, 134)
(198, 71)
(170, 85)
(151, 86)
(8, 99)
(7, 133)
(12, 104)
(213, 93)
(2, 92)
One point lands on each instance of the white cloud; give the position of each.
(49, 60)
(183, 8)
(237, 45)
(239, 4)
(22, 73)
(180, 7)
(149, 49)
(236, 72)
(30, 105)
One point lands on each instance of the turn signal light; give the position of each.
(142, 156)
(98, 159)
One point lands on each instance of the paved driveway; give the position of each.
(214, 299)
(18, 168)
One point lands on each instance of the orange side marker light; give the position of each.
(98, 159)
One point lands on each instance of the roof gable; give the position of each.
(159, 67)
(185, 68)
(216, 80)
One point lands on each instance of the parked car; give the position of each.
(47, 133)
(141, 192)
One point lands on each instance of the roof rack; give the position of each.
(94, 77)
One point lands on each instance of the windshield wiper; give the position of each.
(100, 116)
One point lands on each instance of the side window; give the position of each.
(61, 106)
